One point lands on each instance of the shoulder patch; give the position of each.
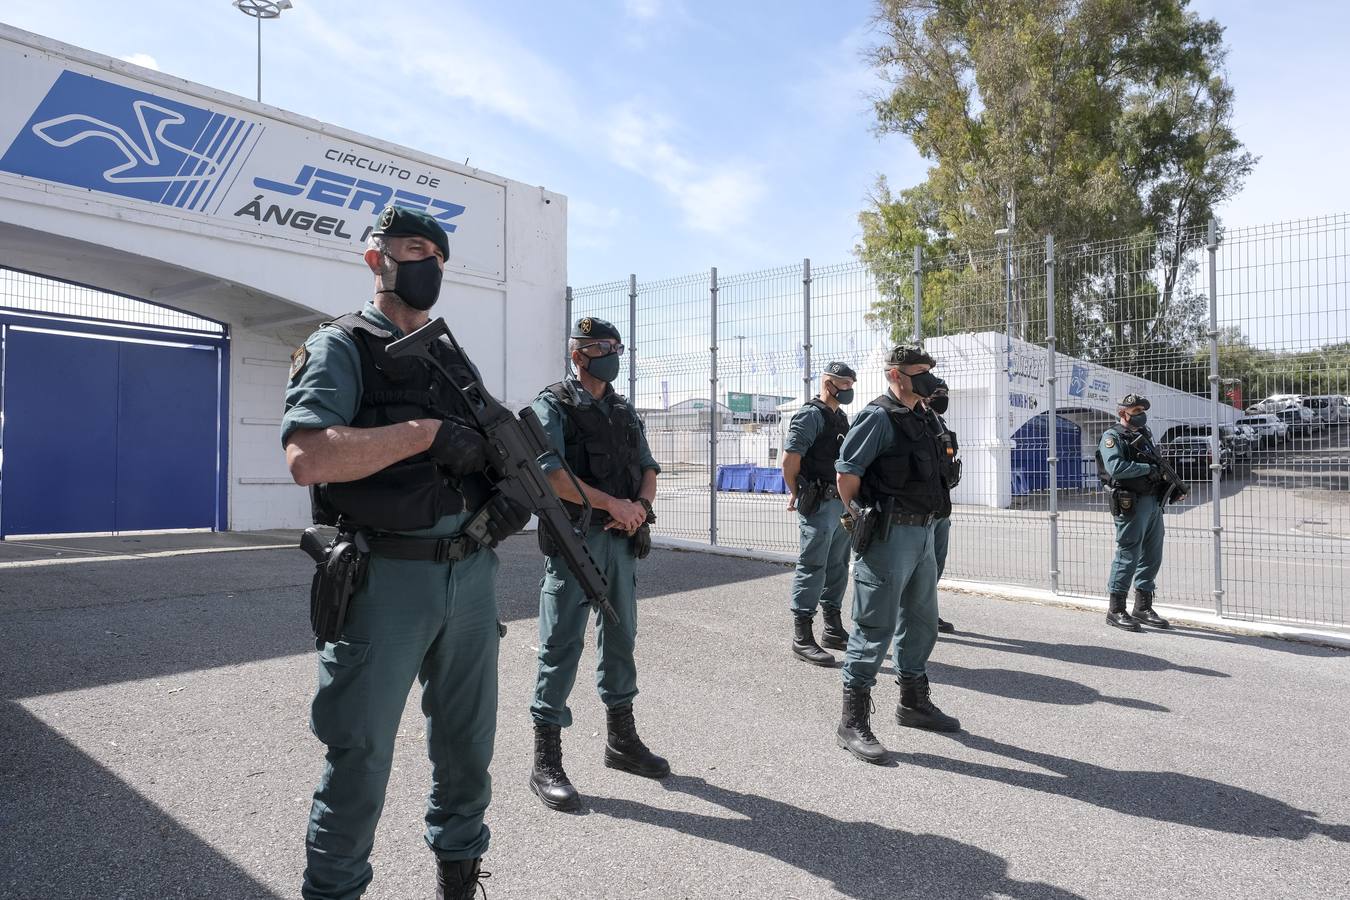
(298, 360)
(1109, 442)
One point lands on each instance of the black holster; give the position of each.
(810, 494)
(1123, 502)
(339, 572)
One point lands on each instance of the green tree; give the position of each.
(1104, 122)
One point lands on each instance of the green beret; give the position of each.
(1134, 400)
(401, 221)
(909, 355)
(840, 370)
(593, 329)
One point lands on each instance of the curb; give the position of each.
(1189, 616)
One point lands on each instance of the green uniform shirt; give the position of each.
(806, 425)
(1118, 459)
(870, 436)
(325, 385)
(552, 417)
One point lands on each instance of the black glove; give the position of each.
(642, 542)
(505, 518)
(459, 448)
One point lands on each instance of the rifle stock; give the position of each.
(516, 446)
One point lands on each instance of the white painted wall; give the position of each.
(504, 287)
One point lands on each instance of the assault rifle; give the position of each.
(515, 448)
(1146, 450)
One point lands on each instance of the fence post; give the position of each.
(632, 340)
(712, 417)
(1052, 381)
(567, 334)
(918, 294)
(1216, 463)
(806, 331)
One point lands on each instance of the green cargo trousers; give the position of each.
(1139, 547)
(436, 623)
(942, 532)
(563, 616)
(822, 566)
(894, 600)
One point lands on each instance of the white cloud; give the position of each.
(141, 59)
(714, 198)
(642, 9)
(493, 71)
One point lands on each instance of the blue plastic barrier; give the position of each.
(734, 477)
(769, 481)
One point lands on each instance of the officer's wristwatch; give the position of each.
(647, 505)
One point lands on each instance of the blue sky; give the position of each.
(685, 134)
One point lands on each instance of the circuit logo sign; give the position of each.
(107, 137)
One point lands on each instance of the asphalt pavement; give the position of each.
(154, 744)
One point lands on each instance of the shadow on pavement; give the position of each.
(864, 860)
(664, 573)
(1162, 796)
(70, 829)
(1081, 654)
(1017, 685)
(1262, 643)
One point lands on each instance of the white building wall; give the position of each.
(505, 281)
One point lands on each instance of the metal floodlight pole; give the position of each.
(1216, 463)
(259, 10)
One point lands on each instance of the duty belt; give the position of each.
(831, 491)
(903, 518)
(451, 549)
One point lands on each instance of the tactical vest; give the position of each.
(1139, 485)
(601, 450)
(818, 461)
(413, 493)
(910, 469)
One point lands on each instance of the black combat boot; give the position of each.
(916, 709)
(547, 778)
(804, 645)
(625, 751)
(944, 626)
(1143, 610)
(1117, 615)
(855, 728)
(460, 879)
(833, 636)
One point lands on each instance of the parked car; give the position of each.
(1300, 419)
(1242, 439)
(1187, 448)
(1332, 408)
(1267, 426)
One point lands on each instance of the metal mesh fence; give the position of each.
(35, 293)
(1241, 340)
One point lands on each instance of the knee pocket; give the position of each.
(869, 587)
(340, 714)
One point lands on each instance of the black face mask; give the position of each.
(925, 383)
(417, 283)
(606, 367)
(1138, 420)
(938, 403)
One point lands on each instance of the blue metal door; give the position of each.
(102, 434)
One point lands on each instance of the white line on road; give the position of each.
(36, 563)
